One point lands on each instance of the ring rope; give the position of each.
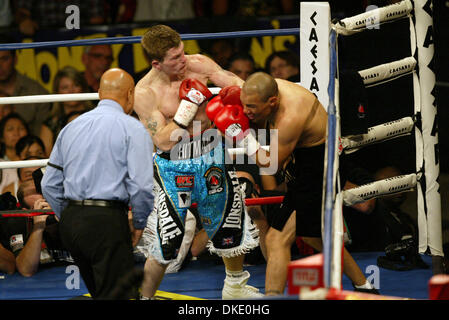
(31, 213)
(136, 39)
(45, 98)
(23, 164)
(44, 162)
(62, 97)
(25, 213)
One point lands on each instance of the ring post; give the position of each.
(429, 220)
(315, 23)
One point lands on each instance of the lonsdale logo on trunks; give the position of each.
(230, 233)
(170, 230)
(233, 218)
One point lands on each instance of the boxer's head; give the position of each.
(259, 96)
(164, 49)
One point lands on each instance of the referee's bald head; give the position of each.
(118, 85)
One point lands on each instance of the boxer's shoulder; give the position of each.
(197, 58)
(200, 66)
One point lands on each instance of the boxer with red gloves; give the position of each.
(166, 98)
(192, 94)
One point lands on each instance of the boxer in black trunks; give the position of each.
(300, 121)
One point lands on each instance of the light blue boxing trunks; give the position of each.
(194, 172)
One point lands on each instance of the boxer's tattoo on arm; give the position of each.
(152, 125)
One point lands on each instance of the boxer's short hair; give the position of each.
(158, 39)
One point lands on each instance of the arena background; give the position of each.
(376, 46)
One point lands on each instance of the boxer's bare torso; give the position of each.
(165, 91)
(300, 116)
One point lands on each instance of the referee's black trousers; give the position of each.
(99, 240)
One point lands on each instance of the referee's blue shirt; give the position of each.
(103, 154)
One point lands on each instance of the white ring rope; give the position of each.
(61, 97)
(45, 98)
(23, 164)
(372, 18)
(43, 162)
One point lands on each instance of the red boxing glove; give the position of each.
(214, 106)
(231, 95)
(232, 121)
(192, 93)
(235, 124)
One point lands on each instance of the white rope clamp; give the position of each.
(377, 134)
(380, 188)
(372, 18)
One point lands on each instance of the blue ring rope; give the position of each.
(329, 192)
(136, 39)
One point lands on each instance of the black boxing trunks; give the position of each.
(304, 176)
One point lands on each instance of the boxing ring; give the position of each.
(320, 74)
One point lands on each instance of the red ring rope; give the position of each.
(248, 202)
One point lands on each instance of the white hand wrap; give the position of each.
(250, 144)
(185, 114)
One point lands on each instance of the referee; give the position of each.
(100, 165)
